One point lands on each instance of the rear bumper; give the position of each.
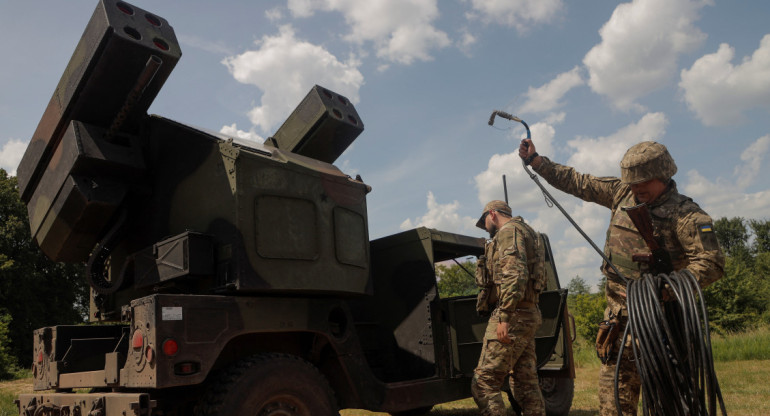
(136, 404)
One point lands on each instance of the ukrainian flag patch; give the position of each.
(707, 236)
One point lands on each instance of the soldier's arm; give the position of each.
(513, 268)
(698, 238)
(600, 190)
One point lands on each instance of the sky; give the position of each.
(590, 78)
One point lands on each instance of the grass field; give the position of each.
(742, 365)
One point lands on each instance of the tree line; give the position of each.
(34, 291)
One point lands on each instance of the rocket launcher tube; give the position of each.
(111, 55)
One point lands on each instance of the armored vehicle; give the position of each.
(234, 277)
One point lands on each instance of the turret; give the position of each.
(153, 205)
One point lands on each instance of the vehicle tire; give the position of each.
(414, 412)
(268, 385)
(557, 393)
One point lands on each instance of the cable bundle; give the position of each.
(672, 346)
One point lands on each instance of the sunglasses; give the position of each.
(484, 215)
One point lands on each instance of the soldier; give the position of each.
(509, 341)
(684, 229)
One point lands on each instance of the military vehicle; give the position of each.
(229, 276)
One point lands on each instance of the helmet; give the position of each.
(495, 205)
(645, 161)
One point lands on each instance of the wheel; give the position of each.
(268, 385)
(414, 412)
(557, 393)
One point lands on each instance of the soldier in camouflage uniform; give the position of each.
(509, 341)
(682, 228)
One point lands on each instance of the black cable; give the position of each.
(672, 346)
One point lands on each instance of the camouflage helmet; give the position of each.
(496, 205)
(645, 161)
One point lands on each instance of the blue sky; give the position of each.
(590, 78)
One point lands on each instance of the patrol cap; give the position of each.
(645, 161)
(495, 205)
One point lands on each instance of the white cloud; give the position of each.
(467, 39)
(10, 155)
(521, 191)
(548, 96)
(555, 118)
(719, 93)
(751, 159)
(215, 47)
(728, 197)
(274, 14)
(401, 31)
(443, 217)
(285, 68)
(521, 14)
(303, 8)
(232, 130)
(640, 46)
(601, 156)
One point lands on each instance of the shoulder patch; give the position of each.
(708, 237)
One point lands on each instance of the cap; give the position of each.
(495, 205)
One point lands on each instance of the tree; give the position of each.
(578, 286)
(734, 303)
(733, 236)
(762, 283)
(587, 308)
(741, 299)
(34, 290)
(7, 361)
(588, 311)
(457, 280)
(761, 230)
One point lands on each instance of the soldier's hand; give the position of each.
(526, 148)
(502, 333)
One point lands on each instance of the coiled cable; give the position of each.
(672, 346)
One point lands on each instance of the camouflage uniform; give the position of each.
(683, 228)
(506, 257)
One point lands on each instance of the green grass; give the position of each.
(584, 355)
(751, 345)
(7, 407)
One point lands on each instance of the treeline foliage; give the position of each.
(457, 279)
(34, 291)
(586, 308)
(741, 299)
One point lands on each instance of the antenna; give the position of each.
(505, 189)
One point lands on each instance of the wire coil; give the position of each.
(672, 346)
